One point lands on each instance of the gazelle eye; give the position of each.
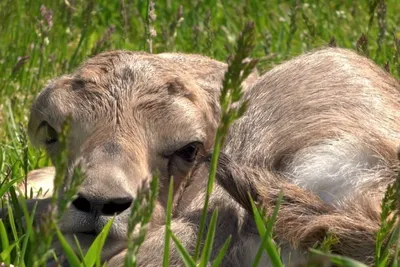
(188, 152)
(50, 135)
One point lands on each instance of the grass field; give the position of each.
(43, 39)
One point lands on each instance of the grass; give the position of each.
(44, 39)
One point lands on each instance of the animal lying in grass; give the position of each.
(322, 127)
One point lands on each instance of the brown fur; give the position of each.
(323, 126)
(333, 105)
(303, 218)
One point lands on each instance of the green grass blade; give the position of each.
(73, 260)
(12, 224)
(141, 213)
(271, 248)
(78, 248)
(385, 255)
(29, 225)
(168, 224)
(4, 188)
(230, 94)
(257, 218)
(339, 260)
(210, 184)
(221, 254)
(5, 243)
(93, 255)
(271, 221)
(388, 232)
(267, 242)
(395, 262)
(5, 254)
(187, 259)
(208, 245)
(17, 209)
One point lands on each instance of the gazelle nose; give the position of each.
(108, 207)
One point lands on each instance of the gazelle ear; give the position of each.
(207, 76)
(204, 96)
(207, 72)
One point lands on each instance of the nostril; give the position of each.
(116, 206)
(110, 207)
(82, 204)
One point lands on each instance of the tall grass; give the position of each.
(231, 93)
(43, 39)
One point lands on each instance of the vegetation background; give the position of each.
(43, 39)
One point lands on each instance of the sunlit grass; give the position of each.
(43, 39)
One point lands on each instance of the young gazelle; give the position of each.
(323, 127)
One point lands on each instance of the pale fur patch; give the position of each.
(334, 169)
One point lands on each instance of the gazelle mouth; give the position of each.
(92, 233)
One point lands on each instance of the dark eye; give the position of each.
(188, 152)
(50, 135)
